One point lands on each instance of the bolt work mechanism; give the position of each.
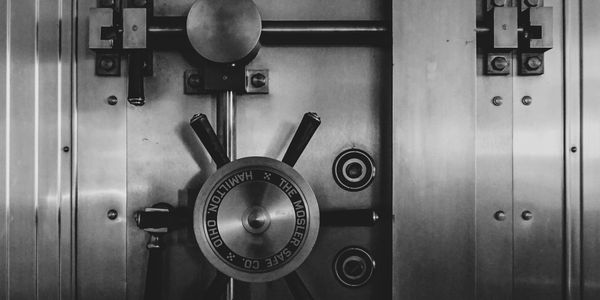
(521, 26)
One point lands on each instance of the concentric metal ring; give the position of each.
(256, 219)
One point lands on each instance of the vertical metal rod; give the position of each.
(226, 135)
(226, 122)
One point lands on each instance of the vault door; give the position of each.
(148, 154)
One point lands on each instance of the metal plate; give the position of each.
(434, 119)
(256, 185)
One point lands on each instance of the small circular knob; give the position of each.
(258, 80)
(527, 215)
(526, 100)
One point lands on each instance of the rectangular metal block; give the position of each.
(505, 28)
(257, 81)
(99, 18)
(134, 28)
(542, 27)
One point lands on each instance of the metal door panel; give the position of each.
(591, 149)
(21, 142)
(538, 168)
(434, 106)
(166, 163)
(101, 181)
(347, 88)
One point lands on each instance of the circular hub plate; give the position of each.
(256, 219)
(224, 31)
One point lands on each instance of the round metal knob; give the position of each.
(224, 31)
(256, 219)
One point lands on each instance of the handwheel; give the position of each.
(256, 219)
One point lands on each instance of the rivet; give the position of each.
(134, 28)
(112, 214)
(224, 77)
(500, 215)
(499, 63)
(573, 149)
(112, 100)
(497, 101)
(526, 100)
(527, 215)
(66, 149)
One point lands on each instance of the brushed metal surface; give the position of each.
(35, 181)
(494, 186)
(590, 149)
(538, 172)
(434, 125)
(573, 162)
(101, 182)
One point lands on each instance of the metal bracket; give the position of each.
(208, 80)
(521, 26)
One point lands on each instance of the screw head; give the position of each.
(134, 28)
(107, 63)
(112, 214)
(499, 3)
(574, 149)
(500, 215)
(499, 63)
(533, 63)
(195, 81)
(66, 149)
(532, 3)
(497, 101)
(526, 100)
(258, 80)
(112, 100)
(527, 215)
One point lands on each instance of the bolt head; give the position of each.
(195, 81)
(112, 214)
(258, 80)
(500, 215)
(526, 100)
(533, 63)
(527, 215)
(107, 63)
(497, 101)
(499, 63)
(574, 149)
(112, 100)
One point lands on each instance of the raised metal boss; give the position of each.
(256, 219)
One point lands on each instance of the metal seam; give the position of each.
(36, 142)
(7, 145)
